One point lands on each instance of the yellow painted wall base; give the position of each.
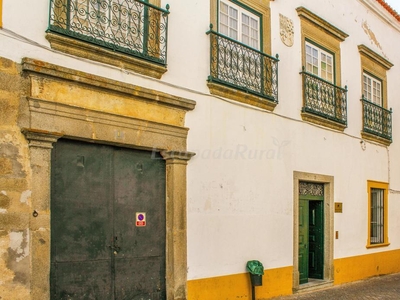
(276, 282)
(360, 267)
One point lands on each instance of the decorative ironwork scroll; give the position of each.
(242, 67)
(377, 120)
(324, 98)
(133, 27)
(311, 188)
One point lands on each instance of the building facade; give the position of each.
(150, 149)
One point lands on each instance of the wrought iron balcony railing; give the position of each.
(236, 65)
(324, 99)
(377, 120)
(133, 27)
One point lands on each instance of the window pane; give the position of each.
(327, 66)
(323, 57)
(245, 39)
(308, 58)
(372, 89)
(245, 20)
(308, 50)
(323, 66)
(223, 29)
(255, 41)
(377, 216)
(254, 23)
(223, 8)
(313, 61)
(223, 19)
(239, 24)
(233, 24)
(245, 29)
(309, 68)
(233, 34)
(233, 13)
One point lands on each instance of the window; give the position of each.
(239, 24)
(324, 100)
(131, 34)
(377, 214)
(319, 62)
(240, 67)
(377, 217)
(372, 89)
(377, 118)
(237, 65)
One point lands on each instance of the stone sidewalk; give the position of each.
(382, 287)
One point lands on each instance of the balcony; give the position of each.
(323, 102)
(131, 28)
(377, 122)
(241, 72)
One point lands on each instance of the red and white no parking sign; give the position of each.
(140, 219)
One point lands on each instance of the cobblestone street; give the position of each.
(382, 287)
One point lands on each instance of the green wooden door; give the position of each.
(139, 186)
(316, 241)
(303, 241)
(97, 251)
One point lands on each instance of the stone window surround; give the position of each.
(324, 34)
(328, 234)
(377, 66)
(39, 122)
(231, 93)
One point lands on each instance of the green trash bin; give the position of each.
(256, 270)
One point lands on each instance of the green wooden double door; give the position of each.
(311, 238)
(99, 248)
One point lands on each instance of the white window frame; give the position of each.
(372, 89)
(239, 24)
(319, 62)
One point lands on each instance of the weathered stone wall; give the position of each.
(15, 187)
(35, 112)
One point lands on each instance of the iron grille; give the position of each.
(323, 98)
(242, 67)
(377, 216)
(133, 27)
(377, 120)
(311, 188)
